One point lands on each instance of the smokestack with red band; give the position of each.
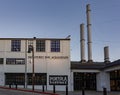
(89, 34)
(106, 54)
(82, 41)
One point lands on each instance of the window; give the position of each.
(55, 45)
(14, 78)
(19, 78)
(1, 61)
(40, 45)
(40, 78)
(15, 45)
(15, 61)
(20, 61)
(115, 80)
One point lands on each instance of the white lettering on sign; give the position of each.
(58, 80)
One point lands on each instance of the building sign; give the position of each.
(49, 57)
(58, 80)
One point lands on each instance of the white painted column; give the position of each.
(103, 80)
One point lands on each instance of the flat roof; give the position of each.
(94, 65)
(35, 38)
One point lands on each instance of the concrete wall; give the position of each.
(103, 80)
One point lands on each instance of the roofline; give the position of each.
(35, 38)
(95, 65)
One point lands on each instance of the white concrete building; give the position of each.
(51, 62)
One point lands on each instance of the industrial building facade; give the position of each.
(51, 62)
(52, 65)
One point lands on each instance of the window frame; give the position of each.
(40, 45)
(15, 45)
(13, 61)
(55, 46)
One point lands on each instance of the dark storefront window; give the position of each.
(115, 80)
(19, 78)
(14, 78)
(84, 80)
(40, 78)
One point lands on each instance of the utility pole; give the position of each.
(26, 63)
(31, 49)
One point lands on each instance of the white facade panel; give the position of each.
(51, 63)
(103, 81)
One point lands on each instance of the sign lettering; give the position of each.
(58, 80)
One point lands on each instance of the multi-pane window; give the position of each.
(14, 78)
(55, 45)
(40, 78)
(19, 78)
(40, 45)
(1, 60)
(15, 61)
(15, 45)
(115, 80)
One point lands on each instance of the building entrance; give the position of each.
(84, 80)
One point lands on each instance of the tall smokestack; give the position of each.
(89, 34)
(82, 41)
(106, 54)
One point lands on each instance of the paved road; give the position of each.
(14, 92)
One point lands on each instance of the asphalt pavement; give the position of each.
(17, 92)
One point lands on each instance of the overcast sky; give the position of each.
(60, 18)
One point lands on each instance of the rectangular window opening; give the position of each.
(55, 45)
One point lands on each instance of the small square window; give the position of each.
(15, 45)
(55, 45)
(40, 45)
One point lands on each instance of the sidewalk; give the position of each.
(88, 93)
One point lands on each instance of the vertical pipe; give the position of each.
(89, 33)
(33, 73)
(26, 63)
(106, 54)
(82, 40)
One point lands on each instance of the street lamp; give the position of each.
(31, 49)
